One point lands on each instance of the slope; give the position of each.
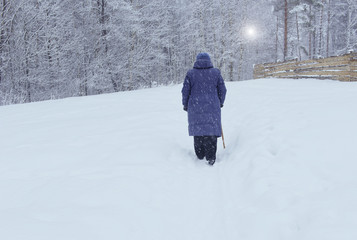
(121, 166)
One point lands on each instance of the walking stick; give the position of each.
(224, 145)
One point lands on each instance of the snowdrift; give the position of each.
(121, 166)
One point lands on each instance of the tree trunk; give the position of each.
(320, 30)
(231, 63)
(49, 49)
(298, 37)
(277, 39)
(285, 29)
(201, 37)
(328, 29)
(131, 53)
(310, 33)
(27, 85)
(2, 36)
(314, 43)
(349, 41)
(102, 21)
(240, 77)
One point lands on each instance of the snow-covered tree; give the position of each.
(55, 49)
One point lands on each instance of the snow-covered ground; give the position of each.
(122, 166)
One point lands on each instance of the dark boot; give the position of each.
(211, 162)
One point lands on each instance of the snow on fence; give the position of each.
(343, 68)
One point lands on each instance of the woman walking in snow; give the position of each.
(203, 95)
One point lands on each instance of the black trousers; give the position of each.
(205, 146)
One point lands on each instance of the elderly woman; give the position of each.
(203, 95)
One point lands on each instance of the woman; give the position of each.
(203, 95)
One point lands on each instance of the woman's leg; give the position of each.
(199, 146)
(210, 146)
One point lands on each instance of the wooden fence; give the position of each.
(343, 68)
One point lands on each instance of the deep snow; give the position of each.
(121, 166)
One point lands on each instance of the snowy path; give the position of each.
(121, 166)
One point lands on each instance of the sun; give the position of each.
(250, 32)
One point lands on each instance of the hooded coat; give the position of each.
(203, 95)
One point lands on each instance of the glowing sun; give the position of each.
(251, 32)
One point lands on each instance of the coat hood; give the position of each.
(203, 61)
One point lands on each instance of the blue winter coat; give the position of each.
(203, 94)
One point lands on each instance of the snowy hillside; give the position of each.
(122, 167)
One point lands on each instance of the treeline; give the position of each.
(308, 29)
(54, 49)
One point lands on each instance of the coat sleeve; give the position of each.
(221, 89)
(186, 91)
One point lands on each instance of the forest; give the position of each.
(51, 49)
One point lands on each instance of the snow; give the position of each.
(122, 166)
